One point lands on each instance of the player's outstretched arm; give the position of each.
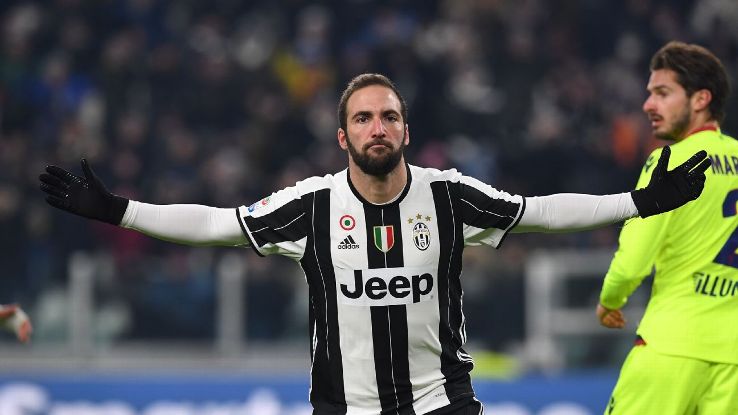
(571, 212)
(84, 196)
(669, 190)
(14, 319)
(185, 224)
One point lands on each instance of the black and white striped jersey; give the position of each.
(386, 317)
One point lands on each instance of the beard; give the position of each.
(678, 127)
(379, 165)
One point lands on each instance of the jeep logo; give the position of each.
(387, 286)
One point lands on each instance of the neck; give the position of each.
(700, 124)
(379, 189)
(709, 126)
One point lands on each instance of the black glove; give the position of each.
(669, 190)
(86, 196)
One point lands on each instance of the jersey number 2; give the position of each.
(727, 255)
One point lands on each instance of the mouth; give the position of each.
(377, 146)
(655, 121)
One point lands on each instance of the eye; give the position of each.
(393, 118)
(362, 119)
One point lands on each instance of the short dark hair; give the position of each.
(696, 68)
(362, 81)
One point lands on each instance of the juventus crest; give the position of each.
(421, 232)
(421, 236)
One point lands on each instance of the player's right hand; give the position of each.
(612, 319)
(84, 196)
(13, 318)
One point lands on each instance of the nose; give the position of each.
(378, 129)
(648, 105)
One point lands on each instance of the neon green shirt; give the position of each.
(693, 309)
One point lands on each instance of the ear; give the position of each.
(407, 134)
(701, 99)
(341, 135)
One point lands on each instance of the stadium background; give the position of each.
(222, 102)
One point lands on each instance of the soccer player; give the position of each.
(15, 320)
(685, 358)
(381, 245)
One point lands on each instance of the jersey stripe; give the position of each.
(398, 318)
(327, 389)
(456, 371)
(400, 361)
(389, 323)
(380, 317)
(520, 216)
(279, 226)
(246, 234)
(482, 211)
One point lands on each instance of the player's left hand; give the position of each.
(612, 319)
(669, 190)
(13, 318)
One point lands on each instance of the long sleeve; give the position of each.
(639, 243)
(568, 212)
(185, 224)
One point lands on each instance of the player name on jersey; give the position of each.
(714, 285)
(724, 164)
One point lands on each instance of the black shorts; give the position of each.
(468, 406)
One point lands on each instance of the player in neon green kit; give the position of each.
(685, 360)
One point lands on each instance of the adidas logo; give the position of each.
(348, 243)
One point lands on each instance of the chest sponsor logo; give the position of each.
(348, 243)
(384, 237)
(385, 286)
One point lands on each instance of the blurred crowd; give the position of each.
(222, 102)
